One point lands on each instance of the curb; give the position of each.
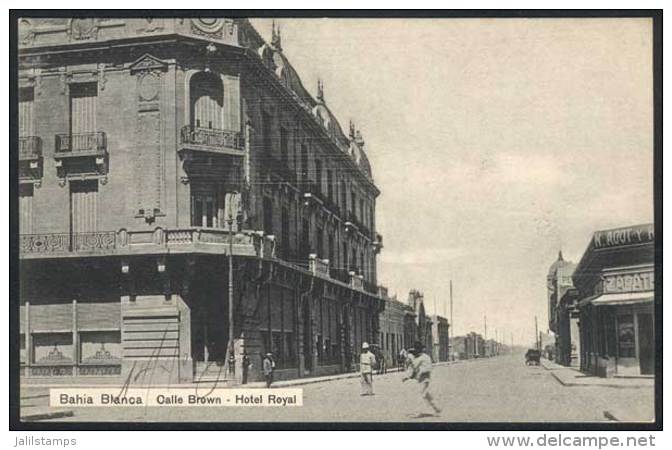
(612, 386)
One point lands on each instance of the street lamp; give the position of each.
(232, 356)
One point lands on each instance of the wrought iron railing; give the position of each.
(68, 242)
(209, 137)
(245, 242)
(81, 142)
(30, 147)
(341, 275)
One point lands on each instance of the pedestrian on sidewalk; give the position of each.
(366, 362)
(268, 368)
(401, 363)
(421, 370)
(246, 366)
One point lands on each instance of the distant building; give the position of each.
(440, 338)
(615, 280)
(469, 346)
(558, 282)
(422, 320)
(392, 322)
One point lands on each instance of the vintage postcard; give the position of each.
(359, 220)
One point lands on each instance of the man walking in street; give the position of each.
(421, 370)
(366, 362)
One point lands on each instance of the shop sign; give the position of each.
(631, 282)
(623, 236)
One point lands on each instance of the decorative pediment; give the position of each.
(148, 63)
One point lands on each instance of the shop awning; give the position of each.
(621, 298)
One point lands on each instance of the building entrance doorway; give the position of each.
(209, 319)
(307, 337)
(646, 343)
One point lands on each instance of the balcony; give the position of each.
(312, 194)
(30, 148)
(30, 160)
(82, 155)
(224, 142)
(318, 266)
(49, 244)
(341, 275)
(80, 145)
(157, 241)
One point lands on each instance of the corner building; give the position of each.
(615, 280)
(151, 151)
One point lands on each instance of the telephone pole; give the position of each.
(452, 325)
(537, 344)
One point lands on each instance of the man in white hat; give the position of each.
(366, 362)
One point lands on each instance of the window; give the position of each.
(26, 208)
(83, 99)
(318, 175)
(305, 239)
(285, 233)
(99, 348)
(361, 209)
(26, 100)
(268, 215)
(344, 200)
(84, 206)
(211, 207)
(345, 256)
(320, 240)
(266, 133)
(331, 255)
(330, 187)
(207, 101)
(353, 203)
(52, 348)
(284, 152)
(304, 163)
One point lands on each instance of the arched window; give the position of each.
(207, 101)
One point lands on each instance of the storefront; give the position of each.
(616, 285)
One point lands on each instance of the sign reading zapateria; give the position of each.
(630, 282)
(101, 397)
(623, 236)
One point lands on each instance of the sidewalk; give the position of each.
(340, 376)
(571, 376)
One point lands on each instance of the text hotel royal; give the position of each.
(100, 397)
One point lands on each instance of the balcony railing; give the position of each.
(341, 275)
(66, 242)
(73, 144)
(30, 147)
(318, 266)
(208, 240)
(212, 138)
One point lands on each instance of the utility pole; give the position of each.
(536, 334)
(232, 356)
(485, 326)
(452, 325)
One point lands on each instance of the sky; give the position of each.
(495, 144)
